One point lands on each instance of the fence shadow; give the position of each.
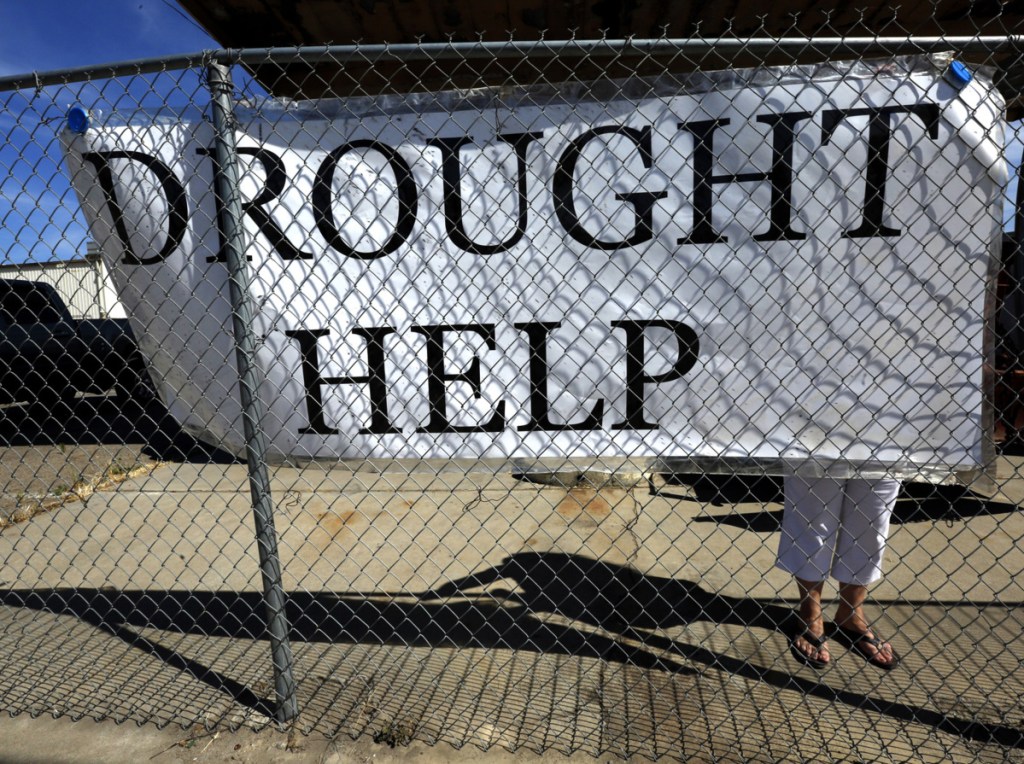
(622, 604)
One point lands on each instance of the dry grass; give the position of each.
(61, 494)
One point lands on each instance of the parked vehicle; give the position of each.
(47, 356)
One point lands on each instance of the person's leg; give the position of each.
(810, 524)
(812, 618)
(863, 529)
(860, 547)
(850, 619)
(810, 521)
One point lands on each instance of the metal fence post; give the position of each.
(226, 186)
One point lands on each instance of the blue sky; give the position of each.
(38, 35)
(39, 218)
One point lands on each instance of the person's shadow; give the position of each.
(612, 597)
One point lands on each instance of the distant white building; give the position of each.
(84, 283)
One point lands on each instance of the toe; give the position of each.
(885, 653)
(881, 653)
(816, 653)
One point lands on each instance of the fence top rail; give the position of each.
(535, 48)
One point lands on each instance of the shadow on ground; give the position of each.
(608, 612)
(917, 502)
(107, 420)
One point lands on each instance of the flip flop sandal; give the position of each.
(809, 660)
(856, 641)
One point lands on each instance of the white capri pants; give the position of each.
(836, 527)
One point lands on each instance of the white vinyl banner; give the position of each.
(770, 264)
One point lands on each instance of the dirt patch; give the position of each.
(333, 523)
(583, 502)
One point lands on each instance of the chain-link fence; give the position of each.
(496, 393)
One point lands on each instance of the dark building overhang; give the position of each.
(288, 23)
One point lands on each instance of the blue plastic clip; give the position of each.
(78, 119)
(958, 74)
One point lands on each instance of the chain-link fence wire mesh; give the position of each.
(509, 508)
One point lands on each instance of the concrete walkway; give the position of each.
(451, 610)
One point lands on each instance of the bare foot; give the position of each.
(808, 644)
(817, 651)
(855, 629)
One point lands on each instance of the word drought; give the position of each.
(679, 166)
